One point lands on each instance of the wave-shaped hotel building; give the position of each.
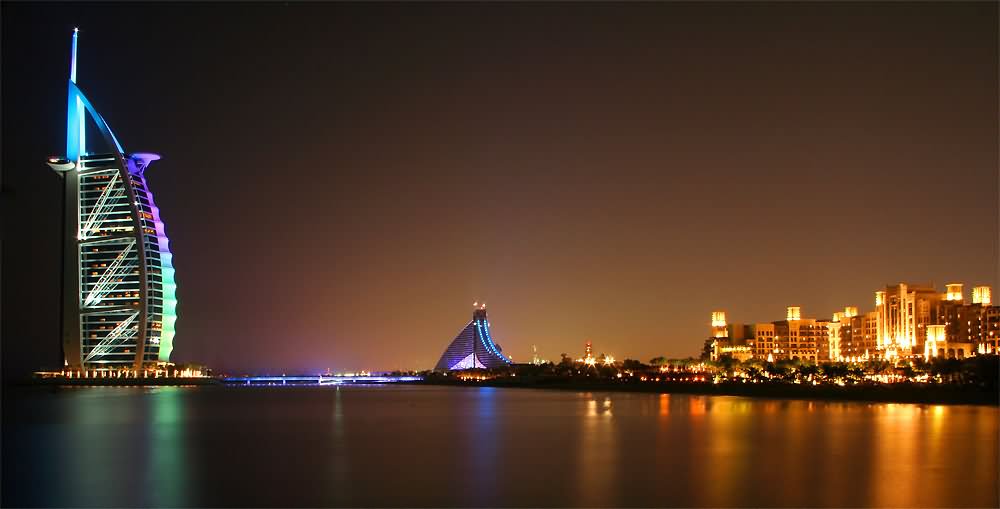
(119, 304)
(474, 346)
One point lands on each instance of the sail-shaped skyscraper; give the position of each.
(119, 303)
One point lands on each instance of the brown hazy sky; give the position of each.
(341, 181)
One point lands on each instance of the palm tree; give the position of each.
(834, 370)
(755, 373)
(809, 371)
(879, 367)
(982, 370)
(778, 370)
(948, 369)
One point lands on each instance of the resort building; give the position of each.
(908, 322)
(903, 313)
(906, 313)
(967, 328)
(473, 347)
(793, 338)
(118, 291)
(858, 337)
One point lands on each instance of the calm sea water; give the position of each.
(449, 446)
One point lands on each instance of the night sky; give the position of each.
(341, 181)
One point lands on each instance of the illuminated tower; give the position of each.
(588, 354)
(118, 292)
(793, 313)
(982, 295)
(719, 325)
(473, 347)
(934, 345)
(902, 313)
(954, 291)
(535, 359)
(833, 338)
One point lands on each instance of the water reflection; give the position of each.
(482, 446)
(697, 405)
(89, 439)
(597, 460)
(340, 452)
(168, 468)
(664, 405)
(461, 447)
(601, 408)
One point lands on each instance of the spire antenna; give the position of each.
(76, 127)
(72, 62)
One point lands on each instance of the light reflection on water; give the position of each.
(458, 447)
(167, 472)
(598, 450)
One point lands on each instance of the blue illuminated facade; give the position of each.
(119, 295)
(473, 347)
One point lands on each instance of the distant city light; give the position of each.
(909, 322)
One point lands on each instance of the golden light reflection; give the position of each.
(598, 451)
(897, 428)
(697, 405)
(843, 454)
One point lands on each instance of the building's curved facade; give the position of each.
(473, 347)
(119, 304)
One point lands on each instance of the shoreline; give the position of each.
(900, 393)
(897, 393)
(113, 382)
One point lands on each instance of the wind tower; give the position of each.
(953, 291)
(982, 295)
(719, 325)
